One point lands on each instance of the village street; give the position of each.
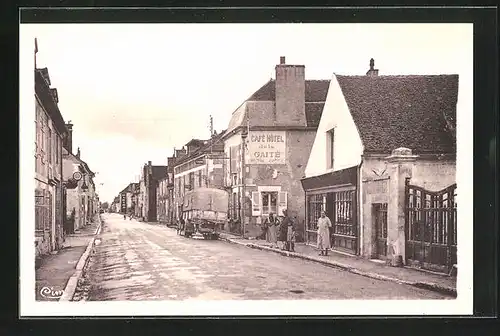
(140, 261)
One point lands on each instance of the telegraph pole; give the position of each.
(244, 135)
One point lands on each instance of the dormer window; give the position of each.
(330, 147)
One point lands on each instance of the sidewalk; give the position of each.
(55, 270)
(373, 269)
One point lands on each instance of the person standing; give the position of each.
(282, 231)
(291, 234)
(324, 225)
(271, 223)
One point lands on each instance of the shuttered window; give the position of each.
(256, 211)
(233, 153)
(282, 202)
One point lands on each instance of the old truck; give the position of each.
(205, 212)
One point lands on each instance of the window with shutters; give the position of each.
(49, 145)
(233, 157)
(200, 178)
(282, 202)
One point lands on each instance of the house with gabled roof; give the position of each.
(385, 153)
(267, 144)
(199, 164)
(81, 193)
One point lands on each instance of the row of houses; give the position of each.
(65, 193)
(377, 153)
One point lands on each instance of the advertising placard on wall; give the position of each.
(266, 147)
(123, 202)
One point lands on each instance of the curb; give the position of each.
(69, 290)
(423, 285)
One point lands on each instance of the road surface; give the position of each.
(140, 261)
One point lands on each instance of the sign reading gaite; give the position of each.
(266, 147)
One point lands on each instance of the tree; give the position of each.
(104, 206)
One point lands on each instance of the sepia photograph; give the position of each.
(246, 169)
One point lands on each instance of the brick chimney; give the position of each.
(372, 72)
(290, 94)
(180, 153)
(68, 140)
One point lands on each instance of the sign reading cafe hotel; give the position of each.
(266, 147)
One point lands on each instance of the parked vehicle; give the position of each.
(205, 212)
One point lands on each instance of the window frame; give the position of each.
(330, 148)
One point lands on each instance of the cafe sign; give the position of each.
(266, 147)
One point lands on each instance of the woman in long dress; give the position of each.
(271, 222)
(282, 230)
(324, 225)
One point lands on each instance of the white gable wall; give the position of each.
(348, 147)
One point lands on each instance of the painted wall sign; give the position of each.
(266, 147)
(123, 201)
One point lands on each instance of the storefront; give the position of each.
(336, 194)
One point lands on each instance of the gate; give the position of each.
(345, 227)
(431, 227)
(380, 217)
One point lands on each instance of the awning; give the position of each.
(339, 177)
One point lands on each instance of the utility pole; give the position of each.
(211, 126)
(244, 135)
(211, 132)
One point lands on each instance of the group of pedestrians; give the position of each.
(283, 232)
(280, 233)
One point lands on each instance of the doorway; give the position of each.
(380, 224)
(269, 202)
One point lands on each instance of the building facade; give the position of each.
(201, 164)
(162, 204)
(81, 198)
(151, 175)
(127, 199)
(49, 191)
(383, 168)
(267, 144)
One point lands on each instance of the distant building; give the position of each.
(151, 175)
(201, 164)
(126, 196)
(81, 199)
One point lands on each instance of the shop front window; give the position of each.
(316, 204)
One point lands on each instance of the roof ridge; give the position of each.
(395, 76)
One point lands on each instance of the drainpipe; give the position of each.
(360, 207)
(243, 143)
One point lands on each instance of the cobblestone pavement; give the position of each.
(139, 261)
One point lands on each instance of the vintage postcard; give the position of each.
(246, 169)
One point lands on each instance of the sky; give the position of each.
(136, 91)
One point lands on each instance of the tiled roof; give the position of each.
(214, 144)
(403, 111)
(44, 93)
(315, 91)
(313, 113)
(159, 172)
(196, 142)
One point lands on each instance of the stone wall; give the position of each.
(287, 176)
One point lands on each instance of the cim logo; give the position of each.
(50, 293)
